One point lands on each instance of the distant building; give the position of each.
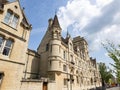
(59, 63)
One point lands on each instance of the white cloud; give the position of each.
(77, 11)
(111, 33)
(106, 54)
(102, 3)
(96, 20)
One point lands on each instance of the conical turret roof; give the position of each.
(56, 22)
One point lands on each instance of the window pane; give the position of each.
(7, 47)
(47, 47)
(64, 68)
(8, 43)
(64, 55)
(65, 81)
(8, 17)
(1, 42)
(14, 21)
(6, 51)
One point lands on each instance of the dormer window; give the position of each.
(64, 55)
(11, 19)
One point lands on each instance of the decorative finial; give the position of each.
(23, 8)
(68, 35)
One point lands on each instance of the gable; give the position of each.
(16, 8)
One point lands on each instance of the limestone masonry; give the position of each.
(58, 64)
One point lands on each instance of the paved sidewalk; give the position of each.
(114, 88)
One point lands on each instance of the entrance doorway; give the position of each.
(45, 86)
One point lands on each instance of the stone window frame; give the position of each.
(11, 19)
(6, 45)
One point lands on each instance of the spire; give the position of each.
(56, 22)
(68, 35)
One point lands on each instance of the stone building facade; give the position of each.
(66, 61)
(58, 64)
(14, 36)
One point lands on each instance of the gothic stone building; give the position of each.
(58, 64)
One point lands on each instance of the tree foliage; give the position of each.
(114, 54)
(105, 72)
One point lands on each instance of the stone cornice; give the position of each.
(11, 34)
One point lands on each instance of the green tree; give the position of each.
(114, 54)
(105, 72)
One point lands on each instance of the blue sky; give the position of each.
(95, 20)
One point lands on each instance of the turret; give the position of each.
(55, 43)
(56, 29)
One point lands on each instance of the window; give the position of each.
(1, 77)
(24, 34)
(91, 81)
(11, 19)
(81, 80)
(14, 21)
(1, 42)
(77, 79)
(8, 17)
(64, 68)
(65, 82)
(47, 47)
(71, 58)
(64, 54)
(5, 46)
(72, 61)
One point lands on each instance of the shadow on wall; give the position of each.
(32, 65)
(35, 68)
(98, 88)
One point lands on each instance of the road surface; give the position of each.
(114, 88)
